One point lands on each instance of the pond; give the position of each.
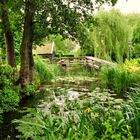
(71, 87)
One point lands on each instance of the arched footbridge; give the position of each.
(92, 62)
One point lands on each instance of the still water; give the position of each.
(7, 129)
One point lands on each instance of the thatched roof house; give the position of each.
(47, 50)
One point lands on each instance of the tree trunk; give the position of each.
(26, 70)
(10, 54)
(31, 60)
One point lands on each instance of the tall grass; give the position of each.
(116, 78)
(120, 78)
(55, 69)
(42, 71)
(135, 98)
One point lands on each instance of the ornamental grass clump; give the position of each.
(116, 78)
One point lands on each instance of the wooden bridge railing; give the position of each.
(89, 61)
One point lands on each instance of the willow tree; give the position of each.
(136, 42)
(110, 36)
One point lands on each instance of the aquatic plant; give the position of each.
(96, 115)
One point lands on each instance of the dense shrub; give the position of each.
(31, 88)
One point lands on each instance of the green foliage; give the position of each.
(64, 18)
(9, 94)
(136, 35)
(93, 115)
(133, 19)
(1, 111)
(121, 78)
(135, 104)
(79, 70)
(31, 89)
(2, 46)
(135, 51)
(17, 37)
(117, 79)
(110, 36)
(63, 46)
(41, 70)
(133, 67)
(136, 41)
(56, 70)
